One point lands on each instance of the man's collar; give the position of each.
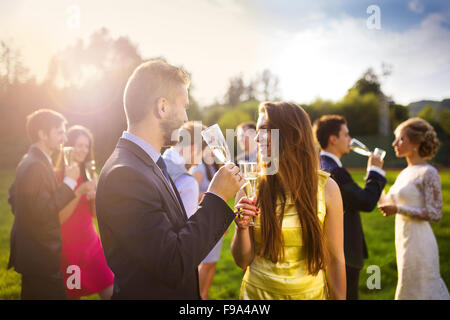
(174, 156)
(144, 145)
(45, 154)
(332, 156)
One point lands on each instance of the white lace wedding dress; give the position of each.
(417, 194)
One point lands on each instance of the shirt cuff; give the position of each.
(71, 183)
(377, 170)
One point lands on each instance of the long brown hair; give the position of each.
(297, 179)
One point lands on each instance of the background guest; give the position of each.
(332, 134)
(36, 200)
(246, 133)
(81, 245)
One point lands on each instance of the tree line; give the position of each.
(85, 82)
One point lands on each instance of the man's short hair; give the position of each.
(45, 120)
(150, 81)
(246, 125)
(326, 126)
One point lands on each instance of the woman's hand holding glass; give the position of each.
(246, 210)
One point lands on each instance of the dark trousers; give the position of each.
(352, 275)
(43, 288)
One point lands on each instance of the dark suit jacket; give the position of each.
(150, 245)
(354, 199)
(36, 199)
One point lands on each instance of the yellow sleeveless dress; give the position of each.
(288, 280)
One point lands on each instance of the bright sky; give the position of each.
(317, 48)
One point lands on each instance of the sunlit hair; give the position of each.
(150, 81)
(296, 179)
(420, 131)
(326, 126)
(192, 128)
(72, 135)
(246, 125)
(45, 120)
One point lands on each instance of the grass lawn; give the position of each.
(379, 232)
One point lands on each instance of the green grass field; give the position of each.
(379, 232)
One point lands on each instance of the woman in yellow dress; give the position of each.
(295, 251)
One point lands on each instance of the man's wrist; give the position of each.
(215, 194)
(377, 170)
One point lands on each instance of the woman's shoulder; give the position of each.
(430, 173)
(423, 170)
(323, 174)
(323, 178)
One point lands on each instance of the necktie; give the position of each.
(162, 165)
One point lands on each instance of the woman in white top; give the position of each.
(415, 199)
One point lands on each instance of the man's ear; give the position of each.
(161, 108)
(332, 140)
(42, 135)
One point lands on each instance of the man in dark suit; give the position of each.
(36, 199)
(333, 136)
(149, 244)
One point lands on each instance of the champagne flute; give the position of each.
(360, 148)
(68, 156)
(216, 142)
(89, 168)
(250, 172)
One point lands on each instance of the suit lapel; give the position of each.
(179, 198)
(36, 153)
(138, 151)
(161, 177)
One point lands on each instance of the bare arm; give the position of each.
(67, 211)
(334, 242)
(242, 247)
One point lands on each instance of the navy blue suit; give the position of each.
(354, 199)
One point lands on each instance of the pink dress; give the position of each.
(81, 246)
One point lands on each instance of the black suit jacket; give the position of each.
(354, 200)
(36, 199)
(149, 244)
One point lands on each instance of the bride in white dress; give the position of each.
(415, 199)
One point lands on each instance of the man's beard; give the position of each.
(169, 128)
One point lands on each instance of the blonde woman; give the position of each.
(415, 199)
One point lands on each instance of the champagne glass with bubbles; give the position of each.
(90, 170)
(216, 142)
(68, 156)
(250, 174)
